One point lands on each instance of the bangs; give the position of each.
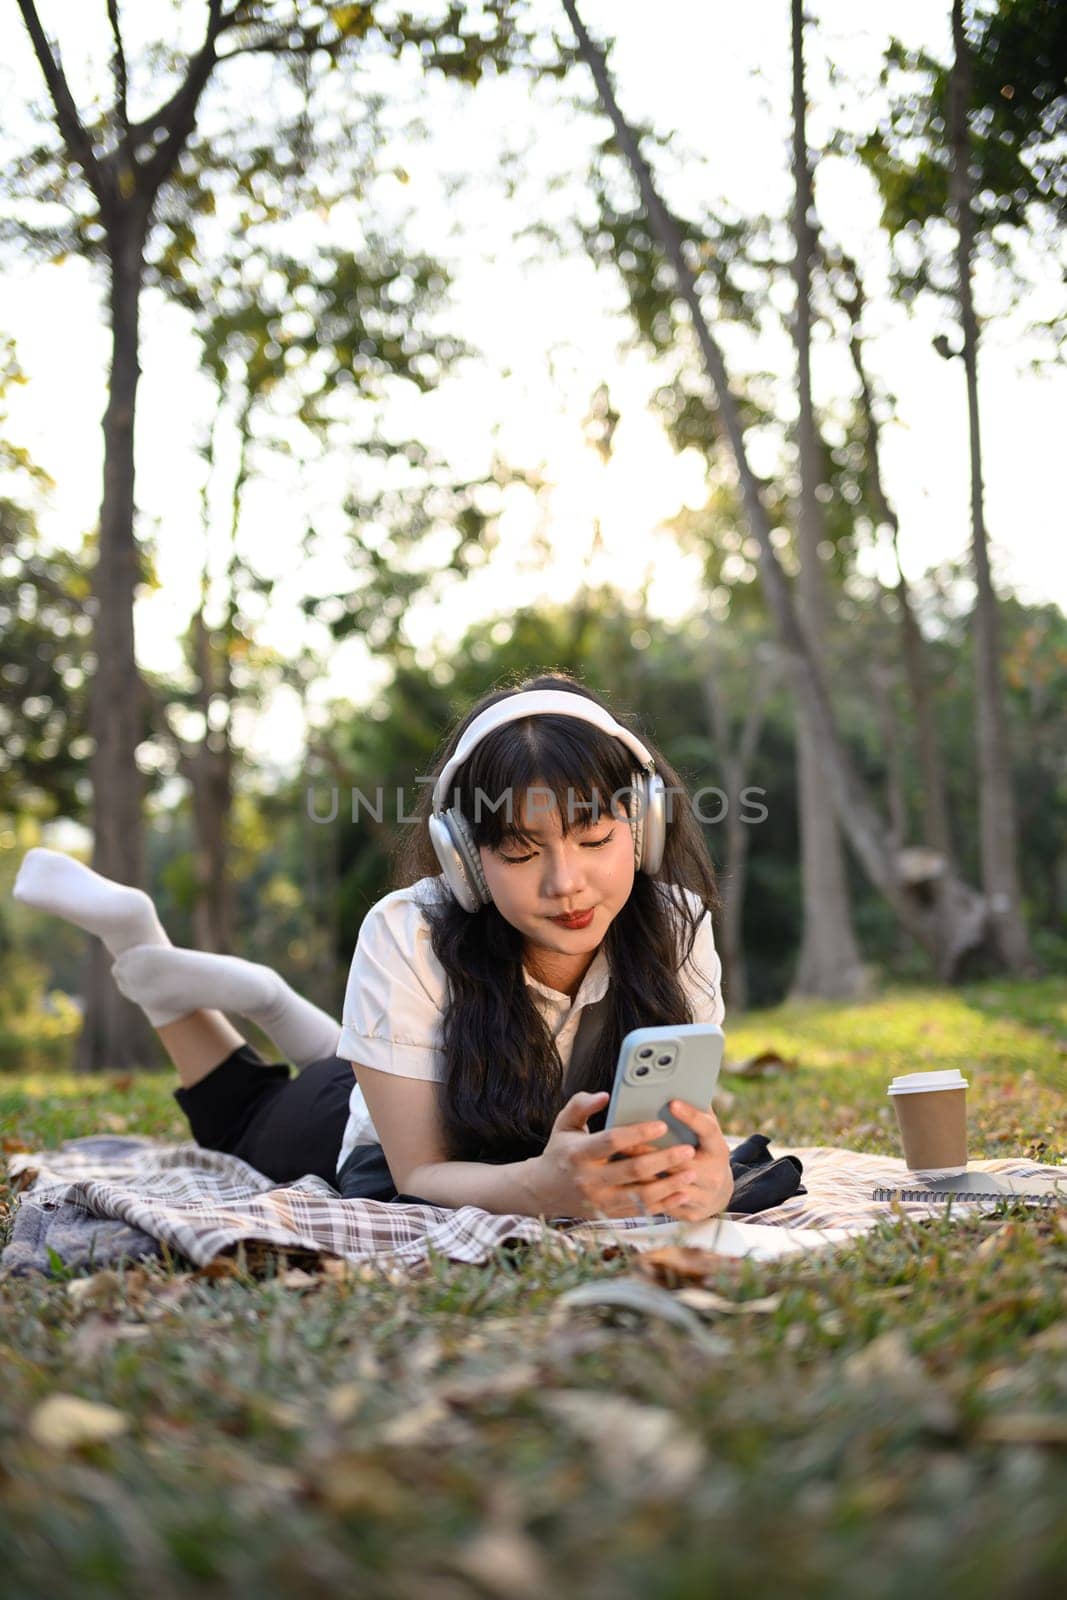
(574, 769)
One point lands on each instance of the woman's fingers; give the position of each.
(611, 1142)
(579, 1108)
(705, 1124)
(648, 1165)
(636, 1196)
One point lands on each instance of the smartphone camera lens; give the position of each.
(640, 1072)
(663, 1061)
(644, 1054)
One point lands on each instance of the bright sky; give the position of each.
(549, 332)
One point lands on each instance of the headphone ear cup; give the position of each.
(653, 825)
(461, 864)
(637, 800)
(471, 858)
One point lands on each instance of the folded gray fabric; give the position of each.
(50, 1229)
(47, 1231)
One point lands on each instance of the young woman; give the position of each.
(561, 876)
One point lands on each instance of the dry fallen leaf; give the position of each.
(423, 1356)
(65, 1421)
(1000, 1238)
(220, 1267)
(297, 1278)
(96, 1290)
(343, 1402)
(348, 1484)
(1053, 1338)
(888, 1358)
(709, 1304)
(1024, 1427)
(765, 1064)
(674, 1263)
(472, 1388)
(636, 1446)
(413, 1426)
(503, 1560)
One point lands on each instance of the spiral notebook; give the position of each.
(1042, 1189)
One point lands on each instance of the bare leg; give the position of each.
(198, 1043)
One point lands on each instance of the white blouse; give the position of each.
(397, 993)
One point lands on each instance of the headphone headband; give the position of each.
(557, 702)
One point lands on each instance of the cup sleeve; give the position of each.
(394, 998)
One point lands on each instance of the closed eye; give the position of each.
(590, 844)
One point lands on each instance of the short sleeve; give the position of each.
(701, 975)
(395, 997)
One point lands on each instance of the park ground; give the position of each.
(881, 1421)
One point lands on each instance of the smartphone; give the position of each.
(658, 1065)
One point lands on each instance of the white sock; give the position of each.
(168, 983)
(120, 916)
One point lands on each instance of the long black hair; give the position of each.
(503, 1076)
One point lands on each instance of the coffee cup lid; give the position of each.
(924, 1082)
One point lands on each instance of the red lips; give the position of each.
(580, 919)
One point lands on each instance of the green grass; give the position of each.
(891, 1419)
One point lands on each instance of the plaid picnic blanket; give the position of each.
(201, 1203)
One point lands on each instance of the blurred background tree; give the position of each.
(805, 648)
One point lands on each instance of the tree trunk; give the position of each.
(736, 763)
(896, 801)
(115, 1033)
(933, 801)
(865, 829)
(829, 963)
(210, 780)
(210, 773)
(961, 913)
(996, 801)
(937, 833)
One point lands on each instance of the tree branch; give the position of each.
(67, 118)
(289, 41)
(177, 119)
(118, 69)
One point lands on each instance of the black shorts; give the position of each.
(282, 1125)
(286, 1126)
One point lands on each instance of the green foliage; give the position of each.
(188, 158)
(1016, 124)
(46, 626)
(43, 689)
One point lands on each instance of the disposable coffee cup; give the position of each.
(931, 1110)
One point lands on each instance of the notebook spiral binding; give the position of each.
(930, 1196)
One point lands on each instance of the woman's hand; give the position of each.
(711, 1182)
(619, 1173)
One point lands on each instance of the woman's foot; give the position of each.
(122, 917)
(168, 983)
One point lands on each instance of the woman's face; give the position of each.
(592, 869)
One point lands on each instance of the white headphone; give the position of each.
(450, 831)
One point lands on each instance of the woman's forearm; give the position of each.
(508, 1188)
